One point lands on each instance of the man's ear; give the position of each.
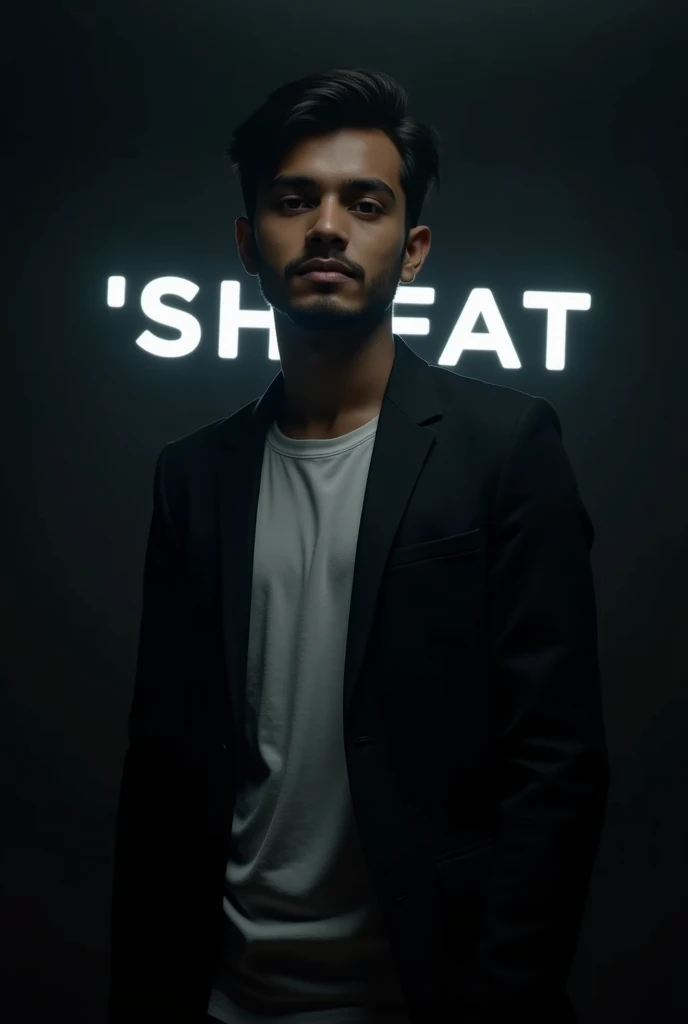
(246, 244)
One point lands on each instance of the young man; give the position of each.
(367, 771)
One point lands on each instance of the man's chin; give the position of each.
(315, 319)
(332, 316)
(325, 325)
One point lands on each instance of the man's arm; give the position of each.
(150, 779)
(545, 694)
(164, 610)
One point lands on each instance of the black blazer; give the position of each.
(473, 723)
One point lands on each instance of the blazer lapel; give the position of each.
(402, 444)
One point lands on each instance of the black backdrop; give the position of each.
(562, 131)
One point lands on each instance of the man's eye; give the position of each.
(289, 199)
(374, 207)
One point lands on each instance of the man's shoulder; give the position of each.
(206, 437)
(485, 408)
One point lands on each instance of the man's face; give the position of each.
(348, 205)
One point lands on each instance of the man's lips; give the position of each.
(320, 266)
(327, 275)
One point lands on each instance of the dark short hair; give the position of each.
(326, 102)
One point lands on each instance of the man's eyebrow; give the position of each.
(351, 184)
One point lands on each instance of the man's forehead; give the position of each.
(345, 155)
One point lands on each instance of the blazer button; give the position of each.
(363, 741)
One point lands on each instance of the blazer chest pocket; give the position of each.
(445, 547)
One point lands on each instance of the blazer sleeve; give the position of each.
(150, 775)
(552, 763)
(164, 609)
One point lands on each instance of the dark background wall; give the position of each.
(562, 128)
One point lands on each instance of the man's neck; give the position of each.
(329, 429)
(327, 398)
